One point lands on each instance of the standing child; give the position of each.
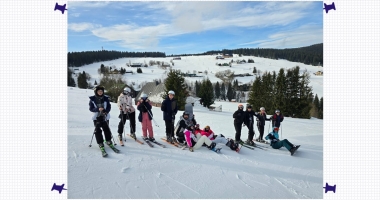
(127, 111)
(100, 105)
(277, 118)
(145, 117)
(261, 118)
(169, 109)
(248, 121)
(238, 116)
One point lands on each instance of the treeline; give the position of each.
(77, 59)
(288, 91)
(310, 55)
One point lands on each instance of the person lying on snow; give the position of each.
(276, 143)
(195, 141)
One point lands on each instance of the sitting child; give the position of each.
(275, 143)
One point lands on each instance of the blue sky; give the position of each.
(181, 27)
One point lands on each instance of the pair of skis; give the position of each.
(105, 154)
(148, 142)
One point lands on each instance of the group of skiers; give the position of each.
(245, 118)
(100, 106)
(187, 131)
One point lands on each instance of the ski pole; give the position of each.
(92, 137)
(155, 123)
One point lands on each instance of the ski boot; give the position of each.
(133, 135)
(121, 140)
(212, 145)
(152, 139)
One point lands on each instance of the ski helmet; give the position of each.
(127, 90)
(171, 92)
(144, 96)
(262, 108)
(249, 106)
(240, 106)
(277, 111)
(99, 87)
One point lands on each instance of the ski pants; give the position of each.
(220, 140)
(202, 139)
(99, 126)
(146, 125)
(132, 123)
(282, 143)
(261, 130)
(169, 124)
(251, 132)
(238, 131)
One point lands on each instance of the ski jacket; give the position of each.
(239, 116)
(94, 106)
(197, 131)
(209, 134)
(261, 118)
(248, 120)
(144, 109)
(191, 139)
(273, 137)
(277, 119)
(169, 108)
(182, 124)
(125, 103)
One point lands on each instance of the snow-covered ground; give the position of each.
(140, 171)
(201, 64)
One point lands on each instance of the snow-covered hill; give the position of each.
(140, 171)
(201, 64)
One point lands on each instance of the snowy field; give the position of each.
(142, 172)
(201, 64)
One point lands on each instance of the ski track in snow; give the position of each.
(75, 156)
(291, 190)
(181, 184)
(121, 189)
(237, 176)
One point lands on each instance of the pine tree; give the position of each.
(320, 108)
(280, 90)
(305, 91)
(230, 92)
(207, 93)
(176, 82)
(197, 88)
(217, 90)
(95, 83)
(82, 80)
(223, 92)
(254, 70)
(267, 95)
(70, 79)
(255, 94)
(315, 108)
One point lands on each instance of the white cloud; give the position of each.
(87, 4)
(302, 36)
(79, 27)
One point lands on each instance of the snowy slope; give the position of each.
(202, 63)
(143, 172)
